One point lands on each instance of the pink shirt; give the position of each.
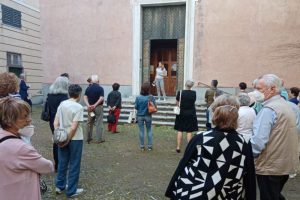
(20, 166)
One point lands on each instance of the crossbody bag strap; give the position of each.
(60, 120)
(9, 137)
(180, 98)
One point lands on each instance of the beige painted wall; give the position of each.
(87, 37)
(25, 41)
(240, 40)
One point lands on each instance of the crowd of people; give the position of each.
(251, 137)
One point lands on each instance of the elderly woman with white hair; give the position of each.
(186, 121)
(246, 117)
(58, 92)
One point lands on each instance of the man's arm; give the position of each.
(262, 127)
(100, 100)
(86, 101)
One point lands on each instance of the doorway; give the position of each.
(164, 51)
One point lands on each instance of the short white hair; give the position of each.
(95, 78)
(189, 84)
(271, 80)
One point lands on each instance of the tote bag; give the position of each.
(176, 109)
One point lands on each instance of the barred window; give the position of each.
(11, 16)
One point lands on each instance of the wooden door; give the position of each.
(168, 57)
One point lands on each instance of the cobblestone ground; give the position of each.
(117, 169)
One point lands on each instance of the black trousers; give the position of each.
(270, 187)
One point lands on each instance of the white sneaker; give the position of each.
(58, 191)
(165, 99)
(78, 192)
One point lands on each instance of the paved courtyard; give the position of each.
(117, 169)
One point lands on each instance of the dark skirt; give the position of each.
(186, 123)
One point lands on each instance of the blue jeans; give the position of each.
(69, 159)
(145, 119)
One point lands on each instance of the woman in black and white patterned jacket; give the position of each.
(217, 164)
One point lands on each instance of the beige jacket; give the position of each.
(280, 157)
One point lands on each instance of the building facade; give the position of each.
(20, 41)
(123, 41)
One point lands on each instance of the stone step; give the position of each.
(164, 116)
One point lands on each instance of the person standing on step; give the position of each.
(161, 72)
(94, 98)
(114, 101)
(209, 99)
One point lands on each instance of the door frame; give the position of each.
(137, 38)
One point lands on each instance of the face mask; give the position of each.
(298, 98)
(259, 96)
(27, 131)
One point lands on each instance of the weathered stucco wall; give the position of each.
(241, 40)
(87, 37)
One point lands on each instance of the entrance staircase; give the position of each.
(164, 116)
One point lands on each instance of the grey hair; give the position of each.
(189, 84)
(60, 86)
(95, 78)
(272, 80)
(244, 99)
(22, 75)
(225, 99)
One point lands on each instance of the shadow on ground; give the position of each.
(117, 169)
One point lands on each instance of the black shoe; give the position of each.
(178, 150)
(150, 148)
(142, 148)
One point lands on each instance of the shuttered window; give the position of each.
(11, 16)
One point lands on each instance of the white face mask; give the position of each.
(259, 96)
(298, 98)
(27, 131)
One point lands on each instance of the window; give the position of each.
(11, 16)
(14, 63)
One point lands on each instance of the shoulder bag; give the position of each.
(45, 115)
(60, 134)
(176, 109)
(111, 118)
(151, 106)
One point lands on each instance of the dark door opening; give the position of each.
(164, 51)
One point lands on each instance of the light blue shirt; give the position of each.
(262, 126)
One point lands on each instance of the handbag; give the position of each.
(60, 134)
(176, 109)
(111, 118)
(45, 115)
(43, 186)
(151, 106)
